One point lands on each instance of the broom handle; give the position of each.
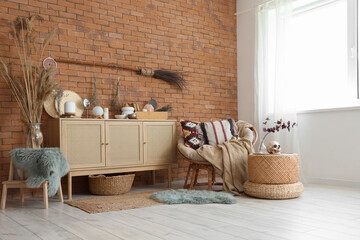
(94, 64)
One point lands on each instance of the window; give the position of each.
(322, 53)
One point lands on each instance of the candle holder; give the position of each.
(86, 104)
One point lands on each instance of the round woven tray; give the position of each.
(114, 185)
(273, 191)
(273, 168)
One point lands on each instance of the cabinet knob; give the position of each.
(144, 142)
(102, 143)
(106, 143)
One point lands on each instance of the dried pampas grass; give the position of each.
(36, 83)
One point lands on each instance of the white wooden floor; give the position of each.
(322, 212)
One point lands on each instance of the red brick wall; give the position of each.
(197, 37)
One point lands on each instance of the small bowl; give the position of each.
(120, 116)
(127, 109)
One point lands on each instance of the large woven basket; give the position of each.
(273, 168)
(273, 191)
(110, 185)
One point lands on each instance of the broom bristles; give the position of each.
(173, 78)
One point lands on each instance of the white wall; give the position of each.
(329, 140)
(330, 146)
(245, 66)
(244, 5)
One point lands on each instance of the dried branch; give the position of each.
(93, 100)
(115, 104)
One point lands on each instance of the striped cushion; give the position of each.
(216, 132)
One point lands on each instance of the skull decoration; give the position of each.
(273, 147)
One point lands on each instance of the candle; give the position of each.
(69, 107)
(106, 113)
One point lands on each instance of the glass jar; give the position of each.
(34, 136)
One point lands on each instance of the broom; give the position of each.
(172, 77)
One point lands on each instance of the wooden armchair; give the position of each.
(197, 162)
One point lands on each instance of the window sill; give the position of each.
(335, 109)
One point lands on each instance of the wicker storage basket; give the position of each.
(273, 168)
(114, 185)
(273, 191)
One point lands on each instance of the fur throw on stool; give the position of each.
(44, 164)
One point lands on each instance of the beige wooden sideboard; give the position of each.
(98, 146)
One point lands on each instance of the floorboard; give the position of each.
(322, 213)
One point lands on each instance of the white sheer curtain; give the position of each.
(273, 86)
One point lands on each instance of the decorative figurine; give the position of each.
(98, 112)
(149, 107)
(273, 147)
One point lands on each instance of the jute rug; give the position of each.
(114, 203)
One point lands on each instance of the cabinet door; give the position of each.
(124, 143)
(159, 142)
(83, 143)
